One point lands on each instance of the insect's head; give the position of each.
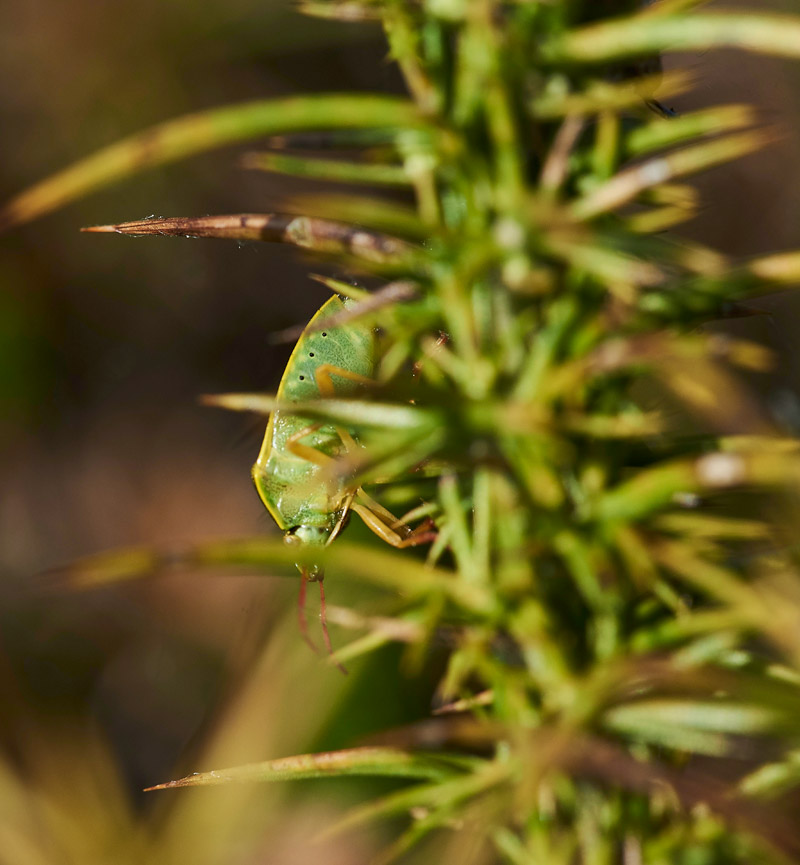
(315, 536)
(311, 535)
(308, 536)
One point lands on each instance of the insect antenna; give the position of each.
(302, 620)
(323, 617)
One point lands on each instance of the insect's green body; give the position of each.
(298, 492)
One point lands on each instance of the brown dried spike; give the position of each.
(317, 235)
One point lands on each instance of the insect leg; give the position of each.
(385, 531)
(343, 515)
(307, 452)
(399, 526)
(323, 375)
(379, 510)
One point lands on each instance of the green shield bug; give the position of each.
(292, 473)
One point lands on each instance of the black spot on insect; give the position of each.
(311, 354)
(324, 333)
(302, 378)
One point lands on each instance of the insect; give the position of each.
(293, 474)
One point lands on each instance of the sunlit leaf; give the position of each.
(630, 182)
(627, 37)
(358, 412)
(703, 727)
(206, 130)
(655, 488)
(783, 267)
(340, 11)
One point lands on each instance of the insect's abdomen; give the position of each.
(292, 488)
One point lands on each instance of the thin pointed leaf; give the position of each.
(421, 827)
(380, 762)
(390, 569)
(466, 704)
(118, 565)
(627, 184)
(652, 489)
(691, 725)
(359, 647)
(670, 7)
(607, 96)
(669, 357)
(783, 268)
(400, 291)
(712, 579)
(336, 170)
(341, 139)
(338, 286)
(409, 576)
(680, 194)
(773, 779)
(404, 629)
(350, 411)
(608, 265)
(714, 622)
(460, 536)
(627, 425)
(346, 11)
(698, 385)
(577, 556)
(293, 333)
(659, 219)
(206, 130)
(700, 525)
(375, 214)
(667, 132)
(446, 793)
(638, 35)
(121, 565)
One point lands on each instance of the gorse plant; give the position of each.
(613, 565)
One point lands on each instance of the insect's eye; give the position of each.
(311, 354)
(324, 334)
(302, 378)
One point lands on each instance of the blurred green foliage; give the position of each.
(634, 655)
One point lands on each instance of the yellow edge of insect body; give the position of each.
(290, 472)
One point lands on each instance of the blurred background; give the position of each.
(105, 344)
